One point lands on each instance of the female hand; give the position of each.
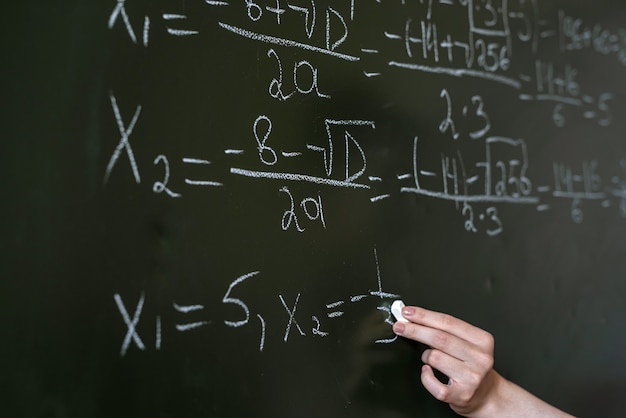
(461, 351)
(465, 354)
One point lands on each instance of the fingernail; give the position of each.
(398, 327)
(408, 311)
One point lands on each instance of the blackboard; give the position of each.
(208, 206)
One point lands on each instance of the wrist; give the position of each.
(505, 399)
(496, 397)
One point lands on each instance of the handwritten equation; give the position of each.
(306, 325)
(505, 43)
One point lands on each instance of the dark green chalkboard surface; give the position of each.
(208, 206)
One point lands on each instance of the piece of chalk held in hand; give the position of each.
(396, 310)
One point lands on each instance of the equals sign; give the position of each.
(370, 74)
(379, 197)
(198, 161)
(188, 309)
(178, 32)
(334, 314)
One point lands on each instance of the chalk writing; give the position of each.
(171, 18)
(276, 85)
(124, 143)
(447, 57)
(487, 41)
(577, 36)
(131, 334)
(120, 10)
(475, 111)
(161, 186)
(312, 208)
(292, 320)
(228, 299)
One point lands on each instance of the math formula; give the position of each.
(293, 323)
(467, 105)
(418, 39)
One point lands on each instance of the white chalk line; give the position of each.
(284, 42)
(297, 177)
(472, 198)
(459, 72)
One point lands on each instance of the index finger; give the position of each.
(446, 323)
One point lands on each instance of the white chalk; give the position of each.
(396, 310)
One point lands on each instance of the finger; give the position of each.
(440, 321)
(439, 390)
(447, 323)
(436, 338)
(452, 367)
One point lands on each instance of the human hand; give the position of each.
(461, 351)
(465, 354)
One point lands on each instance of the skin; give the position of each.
(464, 353)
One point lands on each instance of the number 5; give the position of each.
(228, 299)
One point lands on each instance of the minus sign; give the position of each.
(189, 327)
(392, 35)
(291, 154)
(472, 180)
(384, 294)
(370, 75)
(404, 176)
(172, 16)
(181, 32)
(233, 151)
(196, 161)
(381, 197)
(543, 189)
(369, 51)
(203, 183)
(543, 208)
